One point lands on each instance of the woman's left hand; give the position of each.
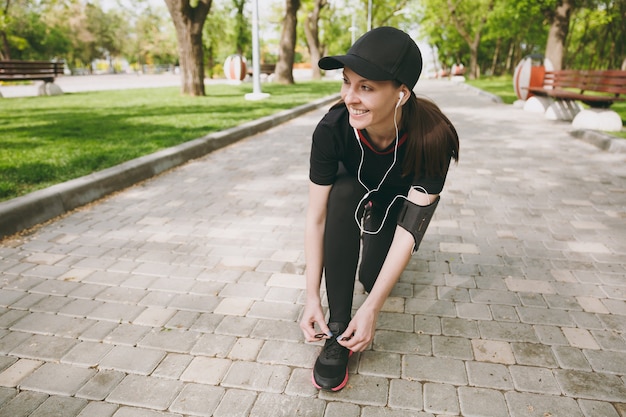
(360, 332)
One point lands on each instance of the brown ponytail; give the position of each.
(433, 140)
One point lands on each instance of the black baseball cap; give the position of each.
(384, 53)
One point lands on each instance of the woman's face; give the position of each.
(371, 103)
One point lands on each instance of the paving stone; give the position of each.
(52, 325)
(196, 399)
(441, 399)
(171, 340)
(14, 374)
(452, 347)
(57, 379)
(205, 370)
(607, 361)
(60, 407)
(387, 341)
(132, 360)
(551, 335)
(213, 345)
(459, 327)
(533, 379)
(536, 405)
(126, 334)
(591, 385)
(23, 404)
(172, 366)
(341, 409)
(45, 348)
(493, 351)
(145, 392)
(274, 405)
(378, 364)
(509, 332)
(274, 311)
(154, 317)
(386, 412)
(235, 403)
(571, 358)
(142, 412)
(98, 409)
(236, 326)
(425, 368)
(481, 402)
(597, 408)
(489, 375)
(245, 349)
(300, 383)
(533, 354)
(258, 377)
(86, 354)
(363, 390)
(100, 385)
(580, 338)
(405, 394)
(290, 354)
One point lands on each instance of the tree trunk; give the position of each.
(188, 22)
(557, 35)
(496, 57)
(286, 58)
(311, 30)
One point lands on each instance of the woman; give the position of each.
(379, 159)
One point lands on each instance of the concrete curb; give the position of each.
(40, 206)
(601, 140)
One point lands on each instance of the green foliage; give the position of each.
(76, 134)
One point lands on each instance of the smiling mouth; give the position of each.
(357, 112)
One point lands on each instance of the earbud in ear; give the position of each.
(401, 96)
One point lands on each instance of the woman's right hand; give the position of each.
(313, 313)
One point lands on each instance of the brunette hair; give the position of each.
(433, 140)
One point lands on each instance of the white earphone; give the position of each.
(400, 99)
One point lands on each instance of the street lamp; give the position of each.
(256, 94)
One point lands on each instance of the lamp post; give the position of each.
(256, 94)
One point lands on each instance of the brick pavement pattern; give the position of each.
(180, 296)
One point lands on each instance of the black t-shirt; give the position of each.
(334, 142)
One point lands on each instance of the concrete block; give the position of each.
(598, 119)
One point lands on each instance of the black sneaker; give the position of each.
(330, 372)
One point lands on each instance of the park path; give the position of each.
(180, 296)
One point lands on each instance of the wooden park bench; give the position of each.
(45, 71)
(596, 88)
(599, 89)
(265, 69)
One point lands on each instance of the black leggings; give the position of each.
(342, 238)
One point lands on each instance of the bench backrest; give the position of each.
(603, 81)
(30, 69)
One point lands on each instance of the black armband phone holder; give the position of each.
(415, 219)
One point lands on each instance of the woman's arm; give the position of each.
(363, 324)
(314, 255)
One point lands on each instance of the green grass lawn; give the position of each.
(503, 87)
(48, 140)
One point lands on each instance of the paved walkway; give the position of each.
(180, 296)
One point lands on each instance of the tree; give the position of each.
(311, 31)
(559, 18)
(287, 46)
(188, 17)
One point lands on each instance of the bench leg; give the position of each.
(563, 110)
(598, 119)
(537, 104)
(49, 89)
